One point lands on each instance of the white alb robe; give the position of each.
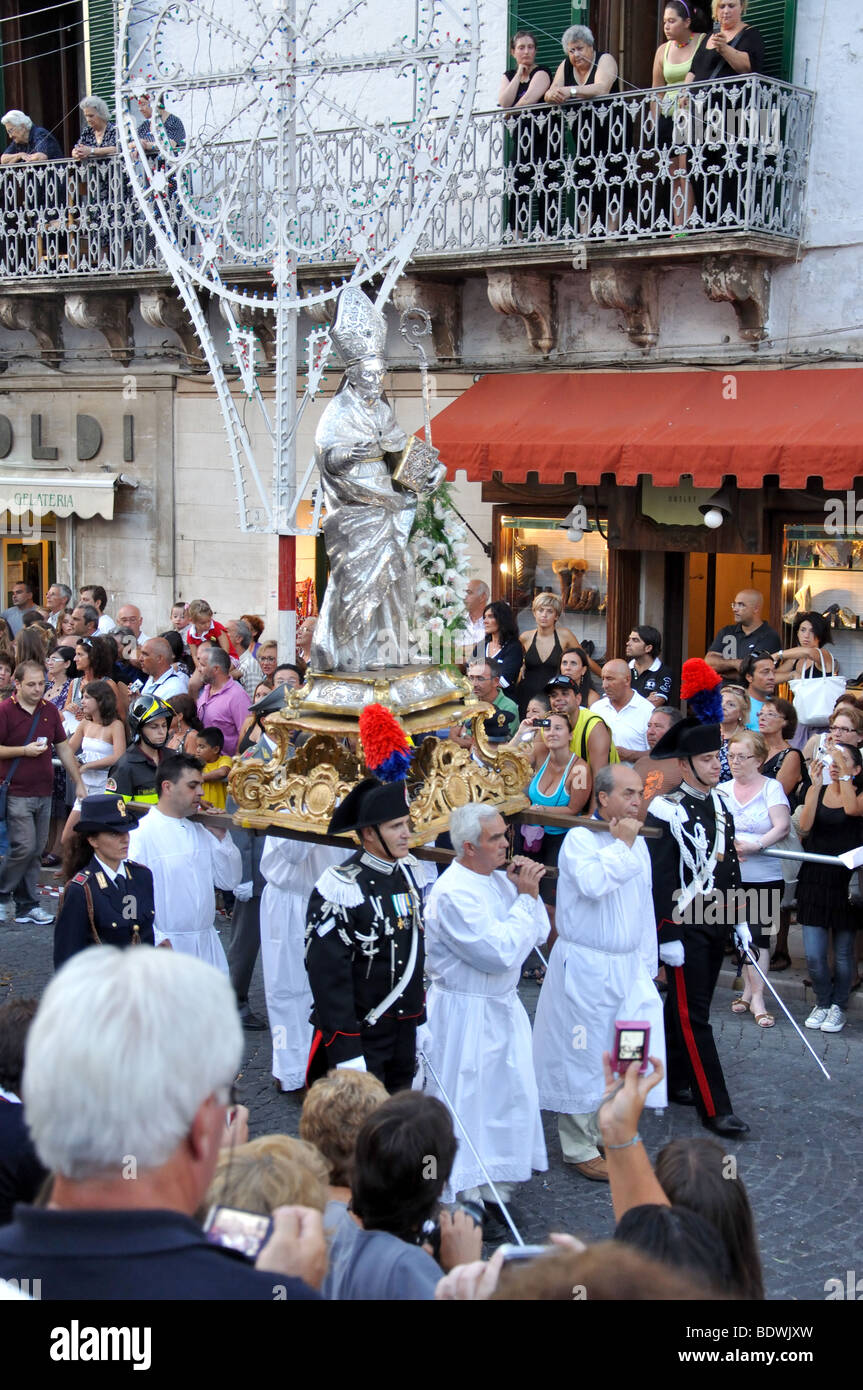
(186, 861)
(291, 868)
(600, 970)
(479, 931)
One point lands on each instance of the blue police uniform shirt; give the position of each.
(123, 903)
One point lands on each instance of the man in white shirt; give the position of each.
(185, 860)
(98, 597)
(625, 712)
(157, 663)
(476, 599)
(481, 925)
(57, 601)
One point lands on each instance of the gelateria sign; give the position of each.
(63, 491)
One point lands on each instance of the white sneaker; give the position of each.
(38, 916)
(835, 1020)
(817, 1017)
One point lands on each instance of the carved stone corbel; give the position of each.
(108, 314)
(529, 296)
(634, 293)
(262, 324)
(323, 311)
(442, 302)
(163, 308)
(41, 317)
(744, 282)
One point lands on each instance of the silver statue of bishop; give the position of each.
(359, 447)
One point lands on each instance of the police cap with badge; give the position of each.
(98, 908)
(106, 812)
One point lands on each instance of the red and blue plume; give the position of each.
(699, 684)
(386, 746)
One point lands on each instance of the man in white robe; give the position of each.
(601, 966)
(186, 860)
(291, 868)
(481, 925)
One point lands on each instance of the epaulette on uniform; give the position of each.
(83, 877)
(668, 808)
(338, 884)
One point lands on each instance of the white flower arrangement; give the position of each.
(439, 550)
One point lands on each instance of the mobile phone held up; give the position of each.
(244, 1231)
(631, 1046)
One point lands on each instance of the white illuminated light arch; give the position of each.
(318, 133)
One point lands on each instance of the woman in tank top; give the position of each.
(525, 84)
(564, 782)
(684, 27)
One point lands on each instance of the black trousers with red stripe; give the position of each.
(690, 1046)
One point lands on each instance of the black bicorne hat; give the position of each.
(687, 738)
(108, 812)
(370, 802)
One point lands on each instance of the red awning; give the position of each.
(794, 424)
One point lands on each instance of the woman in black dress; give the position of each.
(501, 641)
(588, 76)
(831, 822)
(525, 84)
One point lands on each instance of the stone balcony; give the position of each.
(602, 188)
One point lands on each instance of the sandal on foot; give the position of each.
(739, 1005)
(764, 1020)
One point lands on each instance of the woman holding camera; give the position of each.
(830, 822)
(563, 782)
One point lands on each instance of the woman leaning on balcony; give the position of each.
(99, 136)
(526, 84)
(737, 50)
(585, 76)
(685, 26)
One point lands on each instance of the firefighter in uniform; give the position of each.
(364, 943)
(109, 901)
(697, 900)
(134, 775)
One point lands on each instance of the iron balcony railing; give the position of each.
(645, 166)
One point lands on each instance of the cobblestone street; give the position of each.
(801, 1163)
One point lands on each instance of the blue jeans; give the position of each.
(827, 992)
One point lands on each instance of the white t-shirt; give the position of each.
(628, 725)
(751, 821)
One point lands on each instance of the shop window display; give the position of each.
(824, 574)
(537, 556)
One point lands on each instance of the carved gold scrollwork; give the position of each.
(303, 790)
(451, 778)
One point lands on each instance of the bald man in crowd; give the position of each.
(626, 713)
(748, 634)
(130, 616)
(157, 662)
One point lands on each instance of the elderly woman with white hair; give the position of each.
(28, 143)
(99, 136)
(586, 76)
(481, 924)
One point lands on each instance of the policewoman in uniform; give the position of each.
(365, 947)
(134, 775)
(108, 900)
(696, 898)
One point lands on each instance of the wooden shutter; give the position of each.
(546, 20)
(775, 21)
(99, 53)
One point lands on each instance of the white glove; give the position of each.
(672, 953)
(355, 1064)
(743, 936)
(243, 892)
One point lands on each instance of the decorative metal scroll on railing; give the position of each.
(712, 157)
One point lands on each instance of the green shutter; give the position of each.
(101, 36)
(775, 21)
(546, 20)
